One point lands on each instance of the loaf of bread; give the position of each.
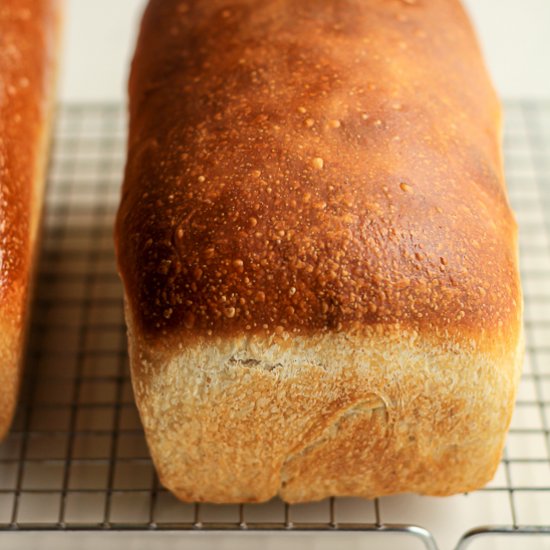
(317, 250)
(28, 43)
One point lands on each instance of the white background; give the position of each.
(100, 36)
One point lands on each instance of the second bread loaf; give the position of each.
(29, 31)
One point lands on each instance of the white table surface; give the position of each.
(100, 36)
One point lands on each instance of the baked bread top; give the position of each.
(335, 165)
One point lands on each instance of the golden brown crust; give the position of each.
(304, 166)
(318, 254)
(28, 38)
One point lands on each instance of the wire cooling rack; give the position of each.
(76, 457)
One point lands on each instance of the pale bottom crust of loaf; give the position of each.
(246, 419)
(243, 420)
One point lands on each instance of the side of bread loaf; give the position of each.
(318, 254)
(28, 43)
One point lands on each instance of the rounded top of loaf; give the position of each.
(306, 166)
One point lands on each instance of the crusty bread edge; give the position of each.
(246, 419)
(15, 335)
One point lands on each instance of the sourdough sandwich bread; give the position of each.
(317, 250)
(28, 43)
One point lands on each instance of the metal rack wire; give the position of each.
(76, 458)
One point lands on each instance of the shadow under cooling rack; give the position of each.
(76, 457)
